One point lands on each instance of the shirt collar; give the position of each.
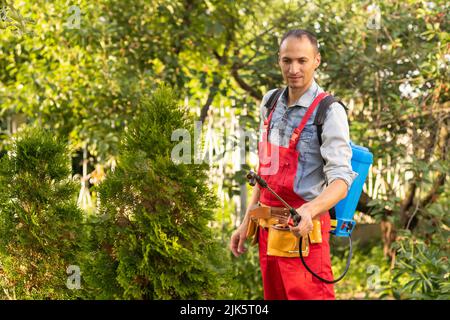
(306, 99)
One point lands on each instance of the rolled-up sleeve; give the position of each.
(335, 149)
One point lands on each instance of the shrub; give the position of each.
(151, 239)
(39, 219)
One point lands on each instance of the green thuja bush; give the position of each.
(39, 218)
(151, 238)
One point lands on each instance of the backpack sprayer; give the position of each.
(342, 224)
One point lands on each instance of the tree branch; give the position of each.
(410, 117)
(237, 65)
(364, 208)
(409, 199)
(433, 195)
(437, 137)
(256, 37)
(188, 6)
(253, 92)
(212, 93)
(443, 141)
(223, 59)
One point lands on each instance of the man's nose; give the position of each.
(294, 68)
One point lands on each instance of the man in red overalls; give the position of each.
(292, 165)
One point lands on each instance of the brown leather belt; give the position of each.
(260, 211)
(281, 213)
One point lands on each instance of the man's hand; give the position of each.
(238, 239)
(305, 225)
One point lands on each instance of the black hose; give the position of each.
(319, 277)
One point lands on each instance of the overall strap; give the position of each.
(297, 132)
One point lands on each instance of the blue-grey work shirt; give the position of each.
(312, 175)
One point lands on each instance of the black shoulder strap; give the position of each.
(318, 121)
(270, 103)
(321, 113)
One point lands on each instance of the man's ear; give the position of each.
(317, 60)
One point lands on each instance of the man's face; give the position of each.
(298, 59)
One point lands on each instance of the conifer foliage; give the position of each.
(39, 219)
(151, 238)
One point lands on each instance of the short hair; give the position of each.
(299, 33)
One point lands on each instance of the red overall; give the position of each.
(284, 277)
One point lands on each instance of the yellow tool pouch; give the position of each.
(282, 243)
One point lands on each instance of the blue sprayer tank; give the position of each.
(361, 161)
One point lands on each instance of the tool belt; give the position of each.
(280, 242)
